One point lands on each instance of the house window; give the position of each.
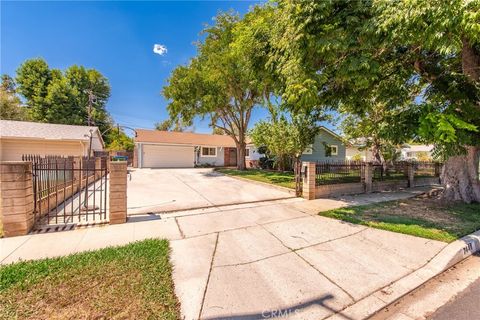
(209, 152)
(309, 149)
(247, 152)
(334, 150)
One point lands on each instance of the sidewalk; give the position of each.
(262, 259)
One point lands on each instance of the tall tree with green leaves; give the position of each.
(76, 96)
(344, 53)
(222, 83)
(445, 57)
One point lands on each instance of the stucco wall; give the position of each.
(254, 155)
(13, 149)
(365, 154)
(318, 153)
(214, 161)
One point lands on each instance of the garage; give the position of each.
(167, 156)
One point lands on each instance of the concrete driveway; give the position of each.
(163, 190)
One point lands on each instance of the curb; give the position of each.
(272, 186)
(447, 257)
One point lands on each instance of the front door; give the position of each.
(233, 156)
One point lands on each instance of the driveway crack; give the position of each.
(311, 265)
(208, 278)
(179, 228)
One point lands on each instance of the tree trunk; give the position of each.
(297, 169)
(241, 155)
(460, 176)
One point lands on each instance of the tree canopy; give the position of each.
(63, 97)
(226, 79)
(10, 105)
(418, 57)
(76, 96)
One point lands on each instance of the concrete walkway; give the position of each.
(259, 260)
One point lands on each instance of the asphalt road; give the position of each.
(465, 306)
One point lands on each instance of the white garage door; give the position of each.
(155, 156)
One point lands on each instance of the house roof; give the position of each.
(47, 131)
(331, 132)
(186, 138)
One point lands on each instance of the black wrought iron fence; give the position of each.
(68, 189)
(426, 168)
(333, 172)
(397, 170)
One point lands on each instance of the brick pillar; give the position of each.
(368, 177)
(411, 175)
(16, 198)
(118, 192)
(308, 180)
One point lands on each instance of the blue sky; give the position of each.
(116, 38)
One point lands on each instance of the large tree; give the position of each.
(76, 96)
(224, 81)
(445, 56)
(420, 55)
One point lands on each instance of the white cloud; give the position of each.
(159, 49)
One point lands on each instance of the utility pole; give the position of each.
(91, 100)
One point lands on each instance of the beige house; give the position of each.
(22, 137)
(165, 149)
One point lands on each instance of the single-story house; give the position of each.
(356, 150)
(22, 137)
(416, 151)
(166, 149)
(252, 155)
(326, 140)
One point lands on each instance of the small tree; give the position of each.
(288, 138)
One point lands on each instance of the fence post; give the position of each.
(411, 174)
(77, 174)
(309, 180)
(438, 168)
(118, 192)
(16, 199)
(368, 177)
(98, 166)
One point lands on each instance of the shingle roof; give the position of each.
(50, 131)
(187, 138)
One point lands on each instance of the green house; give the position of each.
(328, 146)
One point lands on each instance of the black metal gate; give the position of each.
(69, 190)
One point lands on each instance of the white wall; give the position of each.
(254, 155)
(13, 149)
(352, 151)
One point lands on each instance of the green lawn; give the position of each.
(422, 217)
(283, 179)
(129, 282)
